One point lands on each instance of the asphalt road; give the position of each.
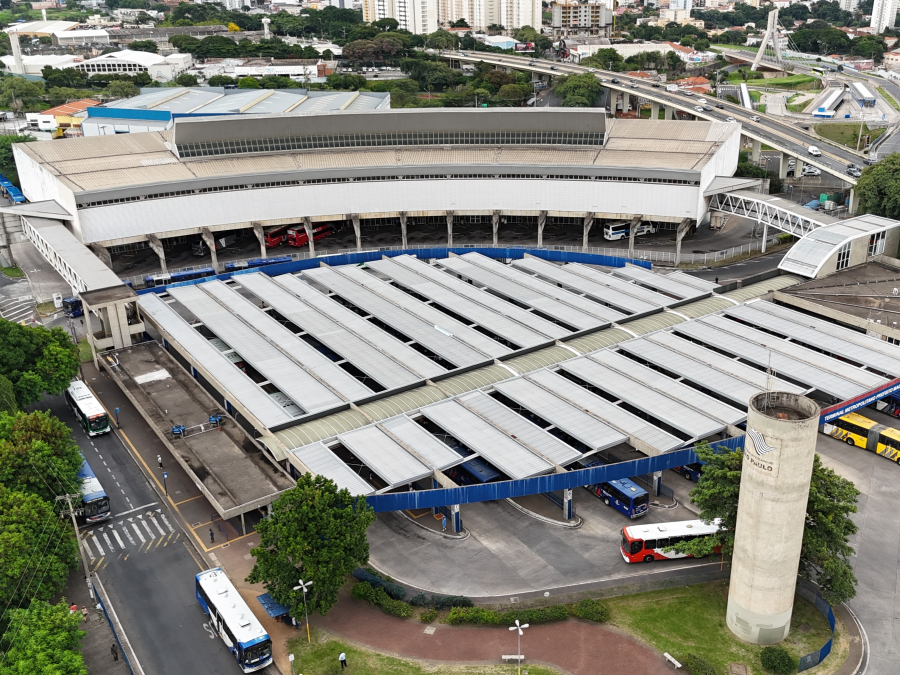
(146, 564)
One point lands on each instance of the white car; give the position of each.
(814, 151)
(811, 171)
(754, 118)
(688, 93)
(698, 108)
(592, 70)
(730, 119)
(701, 100)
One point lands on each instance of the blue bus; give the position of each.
(153, 280)
(624, 495)
(476, 471)
(232, 620)
(256, 262)
(5, 185)
(15, 196)
(94, 499)
(72, 307)
(690, 471)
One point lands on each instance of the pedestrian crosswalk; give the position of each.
(17, 309)
(140, 533)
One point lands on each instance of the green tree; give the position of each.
(144, 46)
(7, 168)
(879, 188)
(37, 550)
(38, 455)
(186, 44)
(67, 77)
(387, 24)
(578, 90)
(249, 83)
(17, 93)
(825, 553)
(186, 80)
(442, 39)
(221, 80)
(59, 95)
(316, 533)
(7, 396)
(36, 360)
(120, 89)
(43, 638)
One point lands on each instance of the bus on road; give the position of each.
(854, 429)
(233, 621)
(624, 495)
(646, 543)
(87, 409)
(93, 497)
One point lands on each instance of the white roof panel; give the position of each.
(391, 461)
(497, 447)
(691, 280)
(660, 282)
(322, 461)
(621, 419)
(239, 387)
(522, 429)
(439, 455)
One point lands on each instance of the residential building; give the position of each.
(892, 60)
(417, 16)
(63, 120)
(849, 5)
(681, 4)
(80, 37)
(697, 84)
(426, 16)
(34, 64)
(583, 18)
(884, 15)
(128, 62)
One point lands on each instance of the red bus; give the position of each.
(276, 237)
(296, 236)
(646, 543)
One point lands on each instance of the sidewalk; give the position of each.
(95, 646)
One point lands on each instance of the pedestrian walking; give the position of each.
(343, 659)
(73, 609)
(114, 650)
(159, 460)
(212, 537)
(717, 279)
(84, 613)
(294, 623)
(443, 523)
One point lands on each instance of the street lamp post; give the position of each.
(305, 587)
(519, 628)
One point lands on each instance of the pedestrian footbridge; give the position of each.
(770, 211)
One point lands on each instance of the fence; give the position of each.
(112, 627)
(809, 592)
(664, 257)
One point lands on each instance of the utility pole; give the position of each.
(72, 512)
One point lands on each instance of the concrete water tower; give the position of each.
(777, 468)
(265, 22)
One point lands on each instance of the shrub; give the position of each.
(419, 600)
(477, 615)
(378, 597)
(535, 615)
(446, 601)
(428, 616)
(592, 610)
(368, 575)
(363, 591)
(777, 660)
(697, 666)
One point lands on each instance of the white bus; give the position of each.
(646, 543)
(230, 617)
(87, 409)
(619, 230)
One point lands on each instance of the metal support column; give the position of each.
(495, 227)
(261, 238)
(403, 228)
(764, 236)
(243, 526)
(158, 249)
(588, 222)
(683, 228)
(449, 228)
(853, 202)
(668, 112)
(355, 218)
(542, 220)
(568, 504)
(635, 222)
(211, 245)
(654, 110)
(307, 225)
(754, 152)
(782, 165)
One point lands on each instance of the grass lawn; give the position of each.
(846, 134)
(793, 82)
(13, 272)
(761, 108)
(888, 98)
(46, 308)
(797, 107)
(84, 351)
(754, 94)
(321, 658)
(691, 620)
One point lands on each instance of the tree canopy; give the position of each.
(8, 168)
(36, 360)
(37, 550)
(578, 90)
(825, 552)
(43, 638)
(316, 533)
(38, 455)
(144, 46)
(879, 188)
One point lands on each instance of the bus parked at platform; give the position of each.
(648, 543)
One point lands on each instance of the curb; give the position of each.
(570, 525)
(457, 537)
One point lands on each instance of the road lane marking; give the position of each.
(108, 542)
(158, 542)
(166, 521)
(147, 527)
(97, 566)
(87, 549)
(127, 533)
(184, 501)
(138, 533)
(98, 546)
(139, 508)
(118, 539)
(162, 532)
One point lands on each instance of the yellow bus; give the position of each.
(857, 430)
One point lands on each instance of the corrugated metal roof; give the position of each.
(393, 463)
(618, 418)
(322, 461)
(396, 404)
(445, 322)
(600, 340)
(240, 388)
(374, 362)
(578, 423)
(660, 282)
(293, 381)
(762, 287)
(704, 307)
(298, 349)
(539, 359)
(690, 422)
(673, 344)
(605, 276)
(709, 406)
(523, 430)
(457, 352)
(497, 447)
(793, 325)
(475, 379)
(654, 322)
(691, 280)
(439, 455)
(321, 429)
